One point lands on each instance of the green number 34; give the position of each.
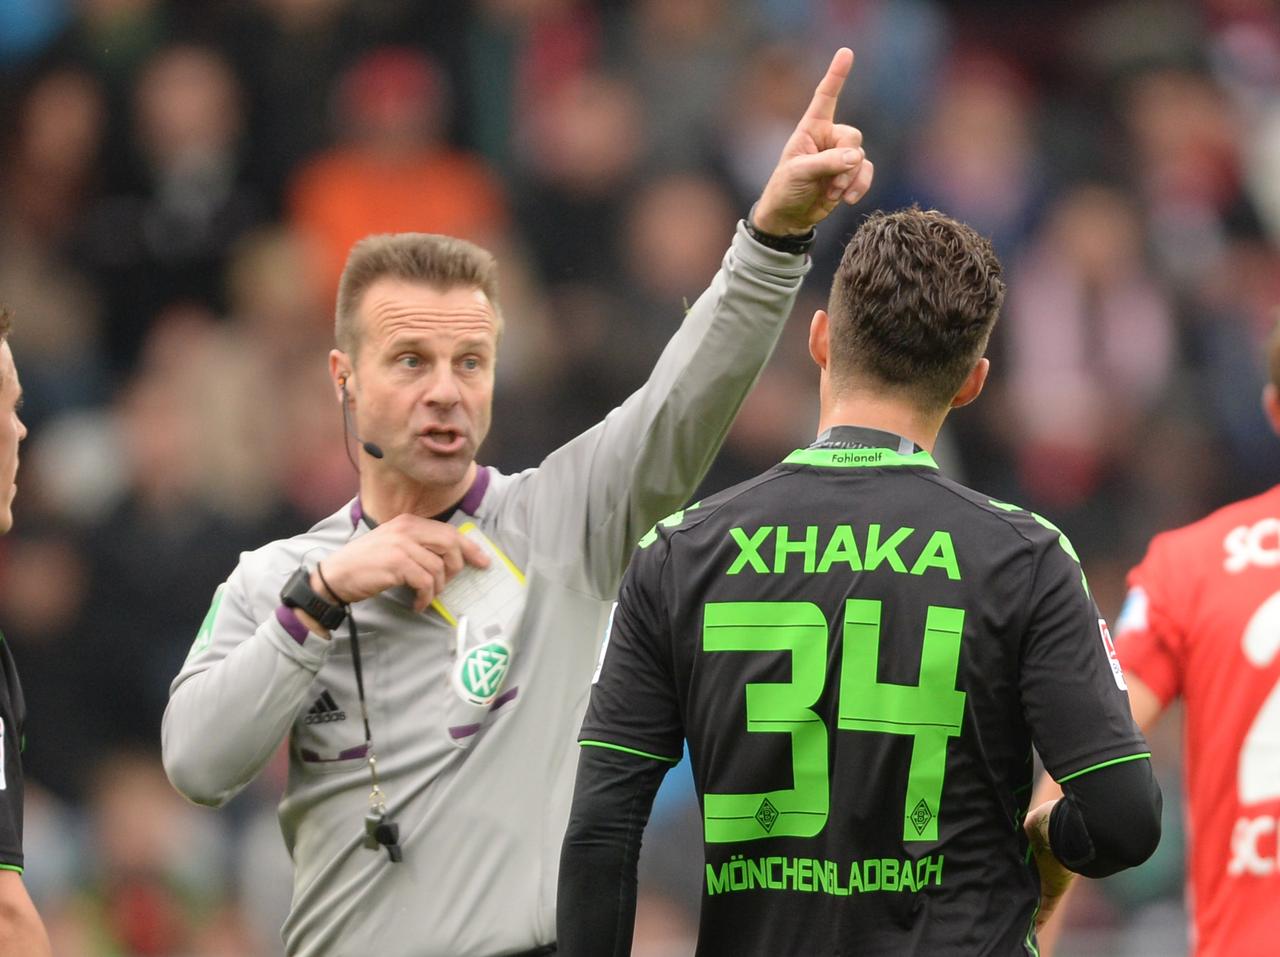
(931, 712)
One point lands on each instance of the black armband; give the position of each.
(1108, 819)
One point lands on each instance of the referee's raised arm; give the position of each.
(643, 461)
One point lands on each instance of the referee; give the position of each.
(22, 933)
(861, 654)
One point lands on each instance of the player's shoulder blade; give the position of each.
(1038, 530)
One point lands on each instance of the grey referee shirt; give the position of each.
(481, 793)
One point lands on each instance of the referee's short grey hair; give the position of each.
(444, 262)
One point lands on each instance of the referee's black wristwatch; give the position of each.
(798, 245)
(298, 593)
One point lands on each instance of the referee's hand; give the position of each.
(420, 553)
(822, 165)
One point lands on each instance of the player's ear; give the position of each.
(819, 338)
(973, 383)
(1271, 406)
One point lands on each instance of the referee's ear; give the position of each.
(1271, 406)
(973, 383)
(339, 372)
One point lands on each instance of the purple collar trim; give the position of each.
(469, 504)
(471, 501)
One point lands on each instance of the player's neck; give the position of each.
(886, 414)
(384, 497)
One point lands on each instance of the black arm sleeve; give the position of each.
(596, 903)
(1108, 819)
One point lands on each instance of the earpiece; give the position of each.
(348, 423)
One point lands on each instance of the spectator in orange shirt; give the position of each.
(395, 172)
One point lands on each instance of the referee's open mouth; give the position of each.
(442, 441)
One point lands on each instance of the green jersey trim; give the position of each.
(204, 637)
(618, 747)
(11, 867)
(671, 521)
(1104, 764)
(1030, 943)
(859, 458)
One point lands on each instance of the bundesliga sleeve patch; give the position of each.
(604, 645)
(1110, 646)
(1133, 616)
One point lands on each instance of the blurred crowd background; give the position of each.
(180, 182)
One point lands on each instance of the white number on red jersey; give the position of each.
(1259, 768)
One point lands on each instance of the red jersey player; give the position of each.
(1202, 622)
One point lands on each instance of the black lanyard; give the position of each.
(379, 829)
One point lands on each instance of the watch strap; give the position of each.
(298, 593)
(797, 245)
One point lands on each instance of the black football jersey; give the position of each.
(13, 716)
(861, 654)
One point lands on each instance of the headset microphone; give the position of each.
(347, 422)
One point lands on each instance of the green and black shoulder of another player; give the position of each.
(12, 705)
(644, 573)
(691, 516)
(649, 590)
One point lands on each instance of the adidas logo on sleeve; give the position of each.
(325, 710)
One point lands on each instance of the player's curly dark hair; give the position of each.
(6, 322)
(913, 304)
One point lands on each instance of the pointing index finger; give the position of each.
(823, 104)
